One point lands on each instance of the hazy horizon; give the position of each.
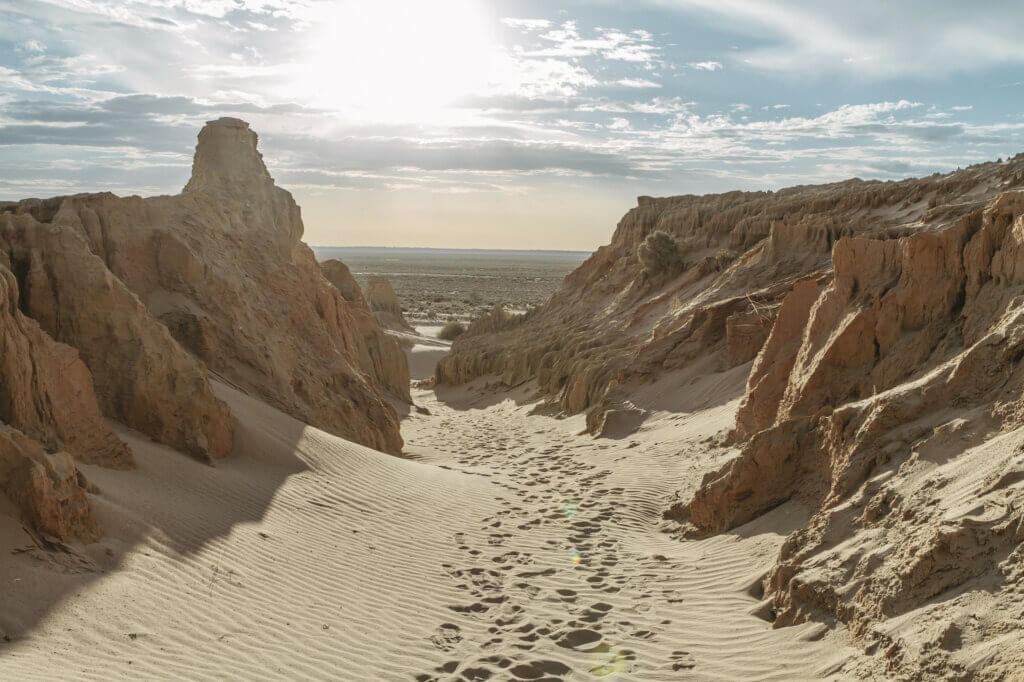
(509, 124)
(440, 248)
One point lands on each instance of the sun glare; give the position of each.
(397, 60)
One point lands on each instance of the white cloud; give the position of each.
(662, 106)
(705, 66)
(875, 39)
(638, 83)
(566, 41)
(526, 25)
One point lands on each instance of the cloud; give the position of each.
(874, 39)
(526, 25)
(637, 83)
(115, 101)
(611, 44)
(705, 66)
(660, 106)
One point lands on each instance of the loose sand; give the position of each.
(506, 546)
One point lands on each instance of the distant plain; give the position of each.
(459, 284)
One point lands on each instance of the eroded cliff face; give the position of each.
(612, 327)
(48, 409)
(216, 279)
(898, 421)
(885, 325)
(122, 307)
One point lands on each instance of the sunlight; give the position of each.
(396, 60)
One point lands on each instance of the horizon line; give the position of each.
(444, 248)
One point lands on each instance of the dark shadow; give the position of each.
(168, 499)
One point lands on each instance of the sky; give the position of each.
(504, 123)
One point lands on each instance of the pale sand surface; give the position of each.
(304, 556)
(423, 349)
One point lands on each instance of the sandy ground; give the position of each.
(506, 546)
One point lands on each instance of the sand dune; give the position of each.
(306, 556)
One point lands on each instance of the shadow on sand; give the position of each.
(170, 501)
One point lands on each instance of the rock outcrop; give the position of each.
(143, 377)
(897, 419)
(612, 327)
(46, 391)
(214, 279)
(385, 304)
(47, 399)
(121, 308)
(884, 326)
(338, 274)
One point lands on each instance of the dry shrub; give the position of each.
(659, 253)
(451, 331)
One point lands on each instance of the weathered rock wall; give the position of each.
(884, 326)
(890, 404)
(121, 308)
(612, 327)
(214, 278)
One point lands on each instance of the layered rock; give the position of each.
(121, 308)
(612, 327)
(47, 402)
(46, 391)
(155, 292)
(885, 327)
(338, 274)
(886, 420)
(143, 377)
(46, 487)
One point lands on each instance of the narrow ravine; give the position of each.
(575, 577)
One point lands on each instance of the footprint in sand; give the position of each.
(447, 637)
(683, 660)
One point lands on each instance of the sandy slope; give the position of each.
(305, 556)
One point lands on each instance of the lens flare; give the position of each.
(610, 660)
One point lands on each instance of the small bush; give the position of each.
(451, 331)
(659, 253)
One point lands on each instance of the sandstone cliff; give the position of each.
(214, 278)
(121, 308)
(48, 408)
(884, 325)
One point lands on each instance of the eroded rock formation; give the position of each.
(47, 399)
(385, 304)
(897, 419)
(214, 278)
(123, 307)
(884, 325)
(338, 274)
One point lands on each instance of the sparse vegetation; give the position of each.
(451, 331)
(659, 253)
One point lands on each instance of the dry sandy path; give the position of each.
(508, 547)
(574, 578)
